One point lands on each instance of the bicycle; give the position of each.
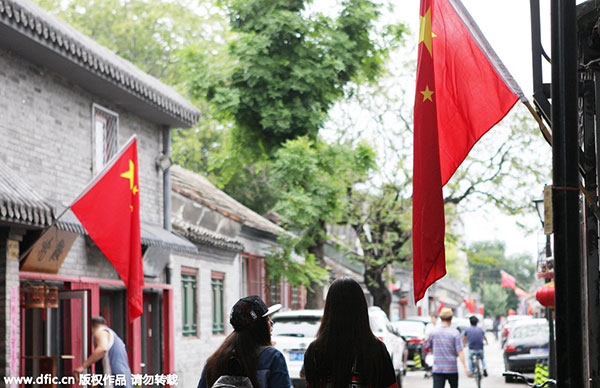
(476, 371)
(519, 376)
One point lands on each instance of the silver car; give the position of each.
(395, 344)
(293, 331)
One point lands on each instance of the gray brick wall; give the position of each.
(46, 137)
(191, 352)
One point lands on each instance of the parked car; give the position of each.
(527, 343)
(395, 344)
(509, 322)
(293, 331)
(418, 318)
(414, 334)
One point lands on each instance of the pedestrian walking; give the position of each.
(431, 326)
(109, 348)
(428, 362)
(446, 344)
(247, 351)
(496, 326)
(345, 352)
(474, 337)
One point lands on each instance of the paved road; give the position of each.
(495, 366)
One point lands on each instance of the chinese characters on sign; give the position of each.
(49, 251)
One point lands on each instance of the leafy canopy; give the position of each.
(290, 67)
(312, 180)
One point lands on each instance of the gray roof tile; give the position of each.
(199, 189)
(19, 203)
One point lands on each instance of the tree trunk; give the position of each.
(382, 297)
(314, 293)
(314, 297)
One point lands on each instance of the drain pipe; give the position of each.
(167, 178)
(166, 155)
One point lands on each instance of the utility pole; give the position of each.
(567, 251)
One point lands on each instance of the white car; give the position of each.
(293, 331)
(395, 344)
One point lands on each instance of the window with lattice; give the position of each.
(105, 131)
(189, 285)
(217, 280)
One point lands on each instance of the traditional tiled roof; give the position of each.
(203, 236)
(199, 189)
(19, 203)
(54, 34)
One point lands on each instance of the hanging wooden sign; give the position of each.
(49, 251)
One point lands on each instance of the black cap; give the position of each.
(248, 309)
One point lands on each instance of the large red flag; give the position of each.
(520, 293)
(110, 212)
(507, 280)
(462, 91)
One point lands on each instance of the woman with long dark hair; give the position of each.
(346, 353)
(247, 350)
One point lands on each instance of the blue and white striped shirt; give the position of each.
(446, 343)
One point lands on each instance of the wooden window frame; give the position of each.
(189, 275)
(255, 285)
(217, 284)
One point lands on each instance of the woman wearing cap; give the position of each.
(247, 350)
(345, 352)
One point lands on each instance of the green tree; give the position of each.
(313, 180)
(487, 258)
(495, 299)
(154, 35)
(291, 66)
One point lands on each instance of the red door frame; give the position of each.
(134, 332)
(257, 282)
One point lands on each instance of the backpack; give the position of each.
(233, 382)
(227, 381)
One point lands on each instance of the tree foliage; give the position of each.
(291, 66)
(495, 299)
(312, 181)
(151, 34)
(487, 258)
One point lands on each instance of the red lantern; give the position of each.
(545, 295)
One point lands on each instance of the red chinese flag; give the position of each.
(110, 212)
(463, 90)
(507, 280)
(520, 293)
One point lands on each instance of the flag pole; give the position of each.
(545, 132)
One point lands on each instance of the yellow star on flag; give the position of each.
(425, 33)
(427, 94)
(129, 174)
